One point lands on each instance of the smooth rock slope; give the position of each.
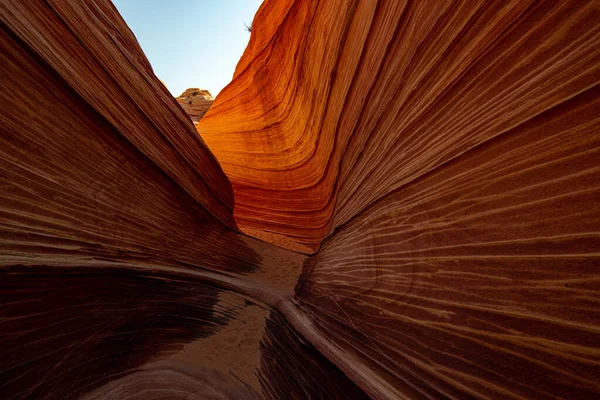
(391, 200)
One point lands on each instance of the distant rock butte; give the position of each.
(391, 200)
(195, 102)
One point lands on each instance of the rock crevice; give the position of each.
(390, 200)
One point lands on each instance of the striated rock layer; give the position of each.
(423, 177)
(195, 103)
(319, 123)
(117, 240)
(449, 152)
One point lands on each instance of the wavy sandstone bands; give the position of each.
(343, 102)
(117, 240)
(442, 157)
(450, 155)
(480, 278)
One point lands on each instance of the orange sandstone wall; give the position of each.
(337, 104)
(444, 157)
(480, 278)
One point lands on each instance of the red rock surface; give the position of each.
(387, 93)
(443, 158)
(195, 103)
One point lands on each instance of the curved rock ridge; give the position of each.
(481, 278)
(440, 159)
(337, 104)
(195, 103)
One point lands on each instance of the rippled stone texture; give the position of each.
(117, 236)
(335, 105)
(423, 176)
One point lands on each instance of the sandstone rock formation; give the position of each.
(390, 200)
(195, 103)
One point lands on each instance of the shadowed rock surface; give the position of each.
(390, 200)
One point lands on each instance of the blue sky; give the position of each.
(191, 43)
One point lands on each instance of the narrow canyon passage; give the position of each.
(390, 200)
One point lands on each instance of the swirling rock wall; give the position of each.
(448, 153)
(118, 249)
(336, 104)
(438, 161)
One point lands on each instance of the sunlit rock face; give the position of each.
(195, 103)
(334, 106)
(422, 176)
